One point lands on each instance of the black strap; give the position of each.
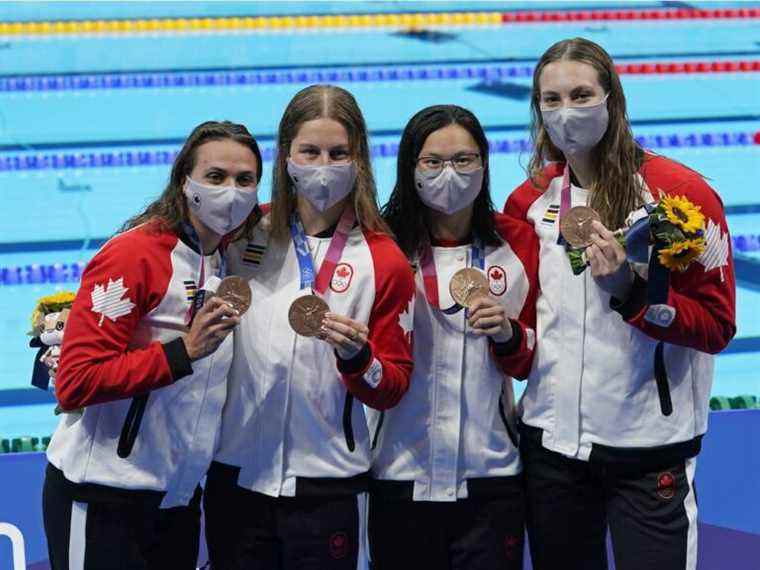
(348, 428)
(510, 432)
(377, 429)
(131, 425)
(658, 277)
(661, 377)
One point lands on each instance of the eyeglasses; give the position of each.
(462, 163)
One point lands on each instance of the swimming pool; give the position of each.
(90, 116)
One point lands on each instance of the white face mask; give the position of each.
(221, 208)
(325, 185)
(448, 191)
(576, 130)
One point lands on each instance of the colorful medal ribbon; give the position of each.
(320, 283)
(430, 275)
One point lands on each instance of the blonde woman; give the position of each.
(328, 332)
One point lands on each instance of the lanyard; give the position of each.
(199, 297)
(564, 202)
(318, 282)
(430, 275)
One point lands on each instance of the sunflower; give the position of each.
(681, 253)
(51, 304)
(683, 213)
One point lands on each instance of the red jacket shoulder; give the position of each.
(529, 191)
(665, 175)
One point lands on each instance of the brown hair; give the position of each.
(318, 102)
(616, 190)
(170, 208)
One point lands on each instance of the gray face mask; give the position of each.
(448, 191)
(325, 185)
(220, 208)
(576, 130)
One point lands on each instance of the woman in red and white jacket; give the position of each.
(617, 398)
(447, 486)
(288, 486)
(148, 371)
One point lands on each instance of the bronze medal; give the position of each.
(467, 285)
(575, 225)
(235, 291)
(306, 315)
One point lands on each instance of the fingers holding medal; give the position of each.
(310, 316)
(485, 315)
(345, 335)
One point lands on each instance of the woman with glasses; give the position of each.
(328, 333)
(617, 398)
(446, 490)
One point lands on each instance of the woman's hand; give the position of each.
(211, 325)
(488, 317)
(608, 262)
(345, 335)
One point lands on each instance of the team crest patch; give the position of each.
(497, 280)
(342, 277)
(550, 216)
(253, 253)
(338, 544)
(666, 485)
(191, 290)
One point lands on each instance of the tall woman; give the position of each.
(123, 474)
(617, 399)
(447, 489)
(328, 333)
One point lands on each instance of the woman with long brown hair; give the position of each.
(124, 469)
(328, 333)
(617, 398)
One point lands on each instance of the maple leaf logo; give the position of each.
(406, 319)
(108, 301)
(715, 254)
(343, 272)
(495, 274)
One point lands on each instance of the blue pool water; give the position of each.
(51, 210)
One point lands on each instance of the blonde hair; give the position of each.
(324, 102)
(617, 158)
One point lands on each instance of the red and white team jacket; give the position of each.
(122, 340)
(294, 413)
(453, 435)
(592, 388)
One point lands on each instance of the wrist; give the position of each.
(192, 354)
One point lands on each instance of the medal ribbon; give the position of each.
(430, 275)
(565, 202)
(198, 299)
(320, 282)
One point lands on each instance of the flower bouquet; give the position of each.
(674, 224)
